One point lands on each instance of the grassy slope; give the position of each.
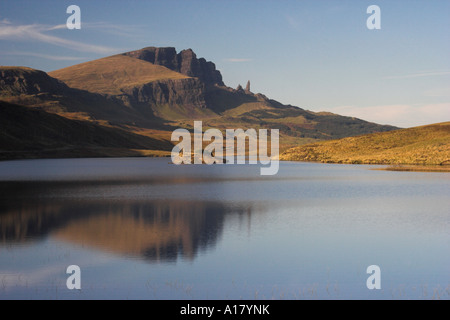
(109, 75)
(179, 112)
(425, 145)
(33, 133)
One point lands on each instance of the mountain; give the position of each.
(35, 88)
(153, 91)
(139, 85)
(179, 87)
(424, 145)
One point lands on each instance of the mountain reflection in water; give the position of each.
(155, 230)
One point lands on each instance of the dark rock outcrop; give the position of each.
(247, 87)
(185, 62)
(21, 80)
(187, 92)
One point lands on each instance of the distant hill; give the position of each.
(153, 91)
(424, 145)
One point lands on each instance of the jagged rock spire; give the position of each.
(247, 87)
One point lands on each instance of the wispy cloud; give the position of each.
(43, 56)
(419, 75)
(39, 33)
(5, 21)
(57, 27)
(237, 60)
(401, 115)
(105, 27)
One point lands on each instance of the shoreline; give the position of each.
(163, 154)
(390, 167)
(417, 168)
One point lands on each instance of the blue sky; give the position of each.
(315, 54)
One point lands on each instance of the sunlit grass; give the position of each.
(110, 75)
(426, 145)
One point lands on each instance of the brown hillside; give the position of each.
(110, 75)
(424, 145)
(33, 133)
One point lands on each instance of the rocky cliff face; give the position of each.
(185, 62)
(16, 81)
(187, 92)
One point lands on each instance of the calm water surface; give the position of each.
(144, 229)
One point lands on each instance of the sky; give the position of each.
(315, 54)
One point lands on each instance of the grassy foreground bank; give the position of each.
(425, 148)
